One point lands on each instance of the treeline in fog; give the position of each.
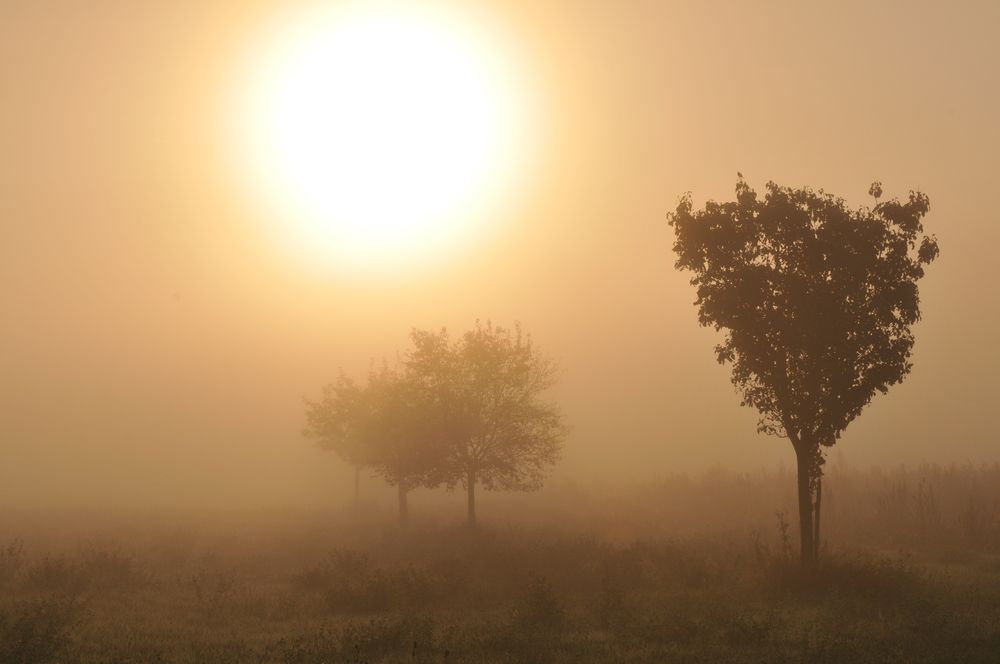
(463, 412)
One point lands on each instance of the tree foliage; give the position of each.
(815, 301)
(334, 422)
(500, 432)
(463, 412)
(390, 425)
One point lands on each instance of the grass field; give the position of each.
(910, 573)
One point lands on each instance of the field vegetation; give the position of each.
(689, 569)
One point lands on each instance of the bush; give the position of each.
(55, 575)
(38, 631)
(539, 609)
(111, 570)
(11, 561)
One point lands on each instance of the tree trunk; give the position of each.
(357, 487)
(471, 483)
(403, 513)
(816, 512)
(804, 461)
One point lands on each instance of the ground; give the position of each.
(361, 589)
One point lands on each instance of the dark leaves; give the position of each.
(816, 299)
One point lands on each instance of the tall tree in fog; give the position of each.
(499, 431)
(390, 425)
(815, 301)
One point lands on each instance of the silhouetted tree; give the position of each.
(816, 302)
(389, 425)
(498, 430)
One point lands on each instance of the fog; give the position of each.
(157, 343)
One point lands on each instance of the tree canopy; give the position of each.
(467, 412)
(501, 432)
(334, 422)
(815, 301)
(390, 425)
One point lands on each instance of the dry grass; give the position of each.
(913, 575)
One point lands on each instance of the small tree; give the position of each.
(333, 421)
(497, 429)
(816, 302)
(389, 425)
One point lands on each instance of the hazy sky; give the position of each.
(156, 345)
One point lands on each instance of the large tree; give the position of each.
(499, 430)
(815, 302)
(390, 425)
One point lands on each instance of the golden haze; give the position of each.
(157, 343)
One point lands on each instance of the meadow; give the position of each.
(688, 569)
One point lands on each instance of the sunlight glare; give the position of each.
(379, 132)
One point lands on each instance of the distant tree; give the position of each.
(498, 430)
(333, 423)
(389, 425)
(816, 302)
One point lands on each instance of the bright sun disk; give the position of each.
(376, 133)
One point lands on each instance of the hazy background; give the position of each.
(155, 345)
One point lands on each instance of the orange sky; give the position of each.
(155, 345)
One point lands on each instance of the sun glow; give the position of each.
(378, 133)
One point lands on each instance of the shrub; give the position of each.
(55, 575)
(40, 631)
(11, 561)
(539, 608)
(111, 570)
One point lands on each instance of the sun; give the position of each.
(375, 134)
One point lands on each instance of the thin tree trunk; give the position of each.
(471, 483)
(804, 462)
(819, 500)
(403, 512)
